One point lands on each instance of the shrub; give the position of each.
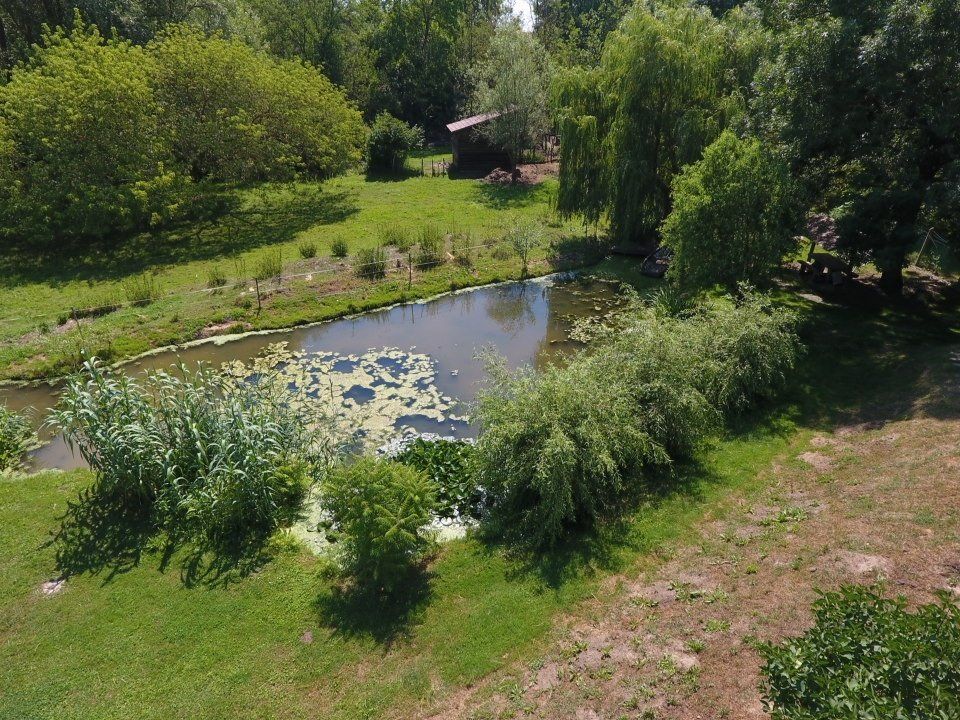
(269, 266)
(141, 289)
(307, 250)
(218, 458)
(397, 236)
(390, 142)
(216, 277)
(524, 237)
(16, 439)
(735, 213)
(430, 252)
(338, 248)
(380, 508)
(867, 657)
(371, 263)
(462, 249)
(566, 447)
(448, 464)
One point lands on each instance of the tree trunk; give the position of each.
(891, 279)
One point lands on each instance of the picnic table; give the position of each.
(827, 266)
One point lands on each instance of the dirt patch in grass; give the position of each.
(679, 641)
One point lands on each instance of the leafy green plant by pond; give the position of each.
(430, 251)
(397, 236)
(379, 510)
(563, 448)
(448, 464)
(16, 439)
(307, 249)
(339, 248)
(205, 455)
(141, 289)
(269, 266)
(869, 658)
(371, 263)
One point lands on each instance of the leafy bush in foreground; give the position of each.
(391, 141)
(216, 457)
(566, 447)
(16, 438)
(448, 464)
(867, 658)
(381, 508)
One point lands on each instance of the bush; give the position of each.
(217, 458)
(380, 509)
(449, 465)
(566, 447)
(390, 142)
(16, 439)
(141, 289)
(307, 250)
(867, 657)
(397, 236)
(462, 248)
(338, 248)
(371, 263)
(735, 214)
(269, 266)
(524, 237)
(430, 252)
(216, 277)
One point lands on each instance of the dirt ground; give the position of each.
(875, 501)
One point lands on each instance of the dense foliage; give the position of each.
(448, 464)
(735, 214)
(863, 98)
(207, 456)
(16, 438)
(670, 79)
(390, 142)
(99, 137)
(867, 658)
(513, 80)
(565, 447)
(380, 509)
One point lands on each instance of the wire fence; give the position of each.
(258, 287)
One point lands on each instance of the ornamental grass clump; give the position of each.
(867, 657)
(205, 455)
(380, 510)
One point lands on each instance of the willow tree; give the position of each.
(666, 86)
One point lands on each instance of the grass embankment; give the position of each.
(40, 289)
(137, 631)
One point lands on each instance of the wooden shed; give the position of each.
(472, 153)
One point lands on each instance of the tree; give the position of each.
(234, 113)
(734, 215)
(513, 80)
(864, 100)
(573, 31)
(671, 78)
(390, 142)
(82, 152)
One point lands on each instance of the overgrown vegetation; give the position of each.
(201, 454)
(16, 438)
(390, 143)
(867, 656)
(380, 509)
(371, 263)
(448, 464)
(561, 449)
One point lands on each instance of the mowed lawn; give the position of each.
(41, 288)
(138, 631)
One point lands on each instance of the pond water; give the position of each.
(404, 369)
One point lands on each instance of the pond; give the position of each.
(403, 369)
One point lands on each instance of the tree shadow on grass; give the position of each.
(237, 222)
(511, 197)
(352, 611)
(389, 176)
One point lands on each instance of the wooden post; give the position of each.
(409, 270)
(422, 171)
(256, 282)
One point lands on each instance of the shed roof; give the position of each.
(472, 121)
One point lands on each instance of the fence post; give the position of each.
(256, 283)
(409, 270)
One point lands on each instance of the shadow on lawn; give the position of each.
(232, 224)
(99, 536)
(356, 612)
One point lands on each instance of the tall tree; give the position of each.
(514, 80)
(573, 31)
(668, 83)
(864, 98)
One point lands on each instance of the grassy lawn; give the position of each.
(40, 290)
(139, 631)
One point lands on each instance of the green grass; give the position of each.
(39, 289)
(139, 632)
